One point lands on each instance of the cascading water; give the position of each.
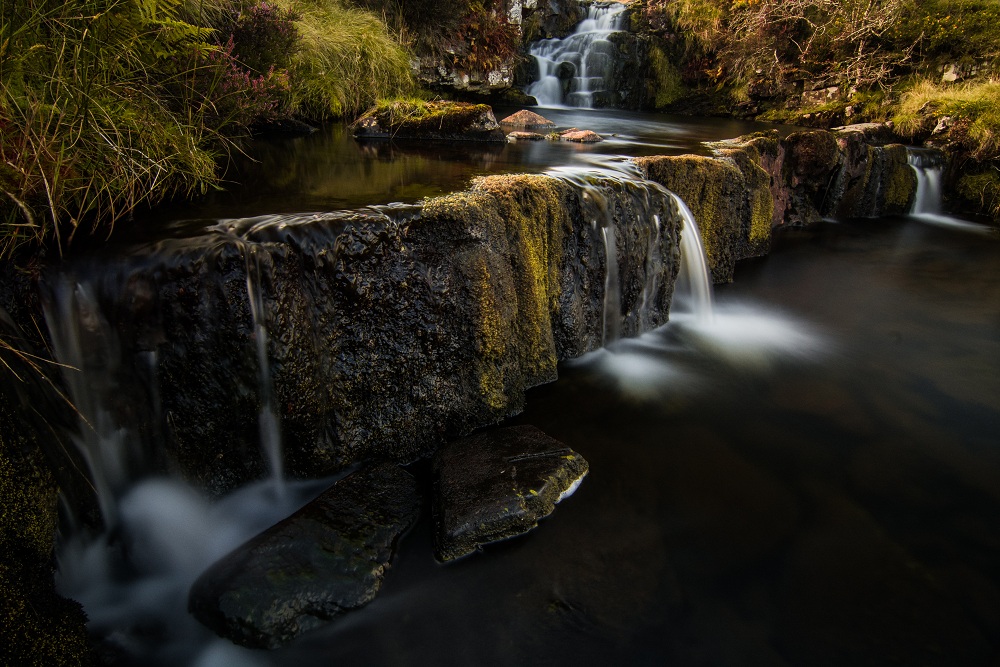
(269, 424)
(575, 70)
(928, 168)
(88, 351)
(928, 165)
(612, 288)
(694, 267)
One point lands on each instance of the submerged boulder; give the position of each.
(525, 136)
(327, 558)
(498, 484)
(440, 120)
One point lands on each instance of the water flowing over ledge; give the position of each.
(310, 342)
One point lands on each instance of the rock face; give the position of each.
(758, 182)
(448, 121)
(388, 331)
(327, 558)
(499, 484)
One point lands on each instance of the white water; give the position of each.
(88, 350)
(138, 577)
(586, 51)
(612, 288)
(927, 200)
(694, 275)
(268, 420)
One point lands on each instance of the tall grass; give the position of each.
(85, 134)
(346, 60)
(108, 105)
(974, 109)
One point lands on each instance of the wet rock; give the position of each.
(449, 121)
(327, 558)
(716, 192)
(499, 484)
(527, 119)
(525, 136)
(581, 136)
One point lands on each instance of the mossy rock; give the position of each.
(436, 120)
(715, 191)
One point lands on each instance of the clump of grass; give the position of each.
(974, 109)
(345, 62)
(85, 133)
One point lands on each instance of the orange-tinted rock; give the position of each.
(525, 118)
(581, 136)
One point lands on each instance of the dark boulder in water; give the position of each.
(442, 121)
(327, 558)
(498, 484)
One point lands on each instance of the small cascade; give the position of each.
(269, 423)
(612, 288)
(928, 167)
(575, 69)
(629, 213)
(87, 348)
(694, 268)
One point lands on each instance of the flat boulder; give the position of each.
(525, 136)
(498, 484)
(527, 119)
(438, 120)
(580, 136)
(327, 558)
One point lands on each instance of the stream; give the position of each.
(804, 472)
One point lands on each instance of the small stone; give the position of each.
(527, 119)
(525, 136)
(327, 558)
(498, 484)
(581, 136)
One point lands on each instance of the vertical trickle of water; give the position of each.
(694, 268)
(612, 288)
(584, 60)
(928, 169)
(269, 424)
(652, 284)
(87, 348)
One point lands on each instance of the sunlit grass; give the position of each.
(974, 107)
(346, 60)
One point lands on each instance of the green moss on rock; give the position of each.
(715, 191)
(420, 119)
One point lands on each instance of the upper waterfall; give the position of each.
(572, 71)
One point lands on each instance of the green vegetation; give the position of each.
(973, 109)
(109, 105)
(469, 34)
(345, 60)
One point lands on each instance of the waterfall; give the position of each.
(573, 70)
(87, 349)
(268, 420)
(928, 165)
(928, 168)
(694, 268)
(612, 288)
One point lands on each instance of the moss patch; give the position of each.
(715, 192)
